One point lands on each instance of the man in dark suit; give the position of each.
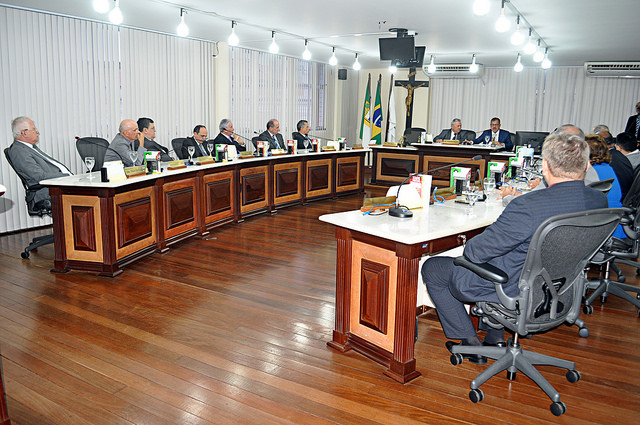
(302, 135)
(272, 135)
(455, 133)
(148, 132)
(633, 124)
(197, 141)
(31, 163)
(228, 137)
(504, 244)
(496, 136)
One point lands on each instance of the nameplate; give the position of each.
(139, 170)
(451, 142)
(205, 160)
(176, 165)
(245, 154)
(357, 146)
(390, 145)
(328, 148)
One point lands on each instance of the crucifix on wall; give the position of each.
(411, 84)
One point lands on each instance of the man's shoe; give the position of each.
(500, 344)
(473, 358)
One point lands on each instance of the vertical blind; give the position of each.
(266, 86)
(75, 77)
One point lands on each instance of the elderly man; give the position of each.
(603, 131)
(122, 147)
(497, 137)
(228, 137)
(455, 133)
(633, 124)
(147, 129)
(272, 135)
(302, 135)
(31, 163)
(504, 244)
(197, 141)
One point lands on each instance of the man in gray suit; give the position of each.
(31, 163)
(123, 144)
(455, 133)
(272, 135)
(505, 243)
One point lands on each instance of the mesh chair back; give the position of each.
(92, 146)
(176, 145)
(412, 135)
(41, 208)
(552, 280)
(254, 141)
(603, 186)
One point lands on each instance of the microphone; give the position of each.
(400, 212)
(484, 195)
(317, 137)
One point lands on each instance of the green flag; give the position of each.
(376, 123)
(365, 127)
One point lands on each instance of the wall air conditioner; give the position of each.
(453, 70)
(612, 69)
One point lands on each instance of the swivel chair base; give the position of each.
(605, 286)
(37, 242)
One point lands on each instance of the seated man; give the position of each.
(504, 244)
(123, 145)
(197, 141)
(228, 137)
(455, 133)
(302, 135)
(32, 164)
(272, 135)
(496, 136)
(147, 130)
(628, 146)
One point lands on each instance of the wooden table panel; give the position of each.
(135, 220)
(83, 232)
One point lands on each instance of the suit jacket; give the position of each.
(631, 126)
(200, 149)
(503, 137)
(119, 149)
(221, 139)
(300, 138)
(267, 137)
(152, 145)
(33, 168)
(446, 135)
(504, 244)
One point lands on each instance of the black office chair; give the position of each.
(254, 141)
(551, 286)
(603, 186)
(471, 134)
(412, 135)
(39, 209)
(176, 145)
(92, 146)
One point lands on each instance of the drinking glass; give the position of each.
(486, 140)
(306, 146)
(210, 148)
(89, 162)
(133, 155)
(489, 185)
(471, 194)
(191, 150)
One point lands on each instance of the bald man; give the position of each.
(123, 144)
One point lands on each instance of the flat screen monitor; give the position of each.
(415, 62)
(533, 138)
(402, 48)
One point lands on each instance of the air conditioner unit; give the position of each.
(612, 69)
(454, 70)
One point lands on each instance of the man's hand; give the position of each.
(141, 139)
(509, 191)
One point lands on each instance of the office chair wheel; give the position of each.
(603, 299)
(587, 309)
(511, 376)
(583, 332)
(622, 279)
(558, 408)
(24, 254)
(638, 296)
(476, 395)
(456, 359)
(573, 376)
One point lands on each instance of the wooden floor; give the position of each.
(232, 329)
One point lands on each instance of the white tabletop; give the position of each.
(479, 147)
(436, 221)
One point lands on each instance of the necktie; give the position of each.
(494, 137)
(275, 140)
(638, 126)
(454, 136)
(52, 161)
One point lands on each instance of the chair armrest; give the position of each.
(484, 270)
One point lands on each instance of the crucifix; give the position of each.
(411, 84)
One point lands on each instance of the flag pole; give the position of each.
(386, 126)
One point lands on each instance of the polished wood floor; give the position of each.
(232, 329)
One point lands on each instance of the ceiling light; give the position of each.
(546, 63)
(530, 47)
(233, 38)
(502, 24)
(101, 6)
(538, 56)
(481, 7)
(473, 68)
(356, 64)
(115, 16)
(517, 38)
(333, 61)
(273, 47)
(306, 55)
(393, 68)
(183, 29)
(518, 66)
(432, 66)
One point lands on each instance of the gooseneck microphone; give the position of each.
(401, 212)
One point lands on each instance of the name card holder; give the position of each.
(176, 165)
(139, 170)
(245, 154)
(328, 149)
(357, 146)
(205, 160)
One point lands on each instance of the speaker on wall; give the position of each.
(342, 74)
